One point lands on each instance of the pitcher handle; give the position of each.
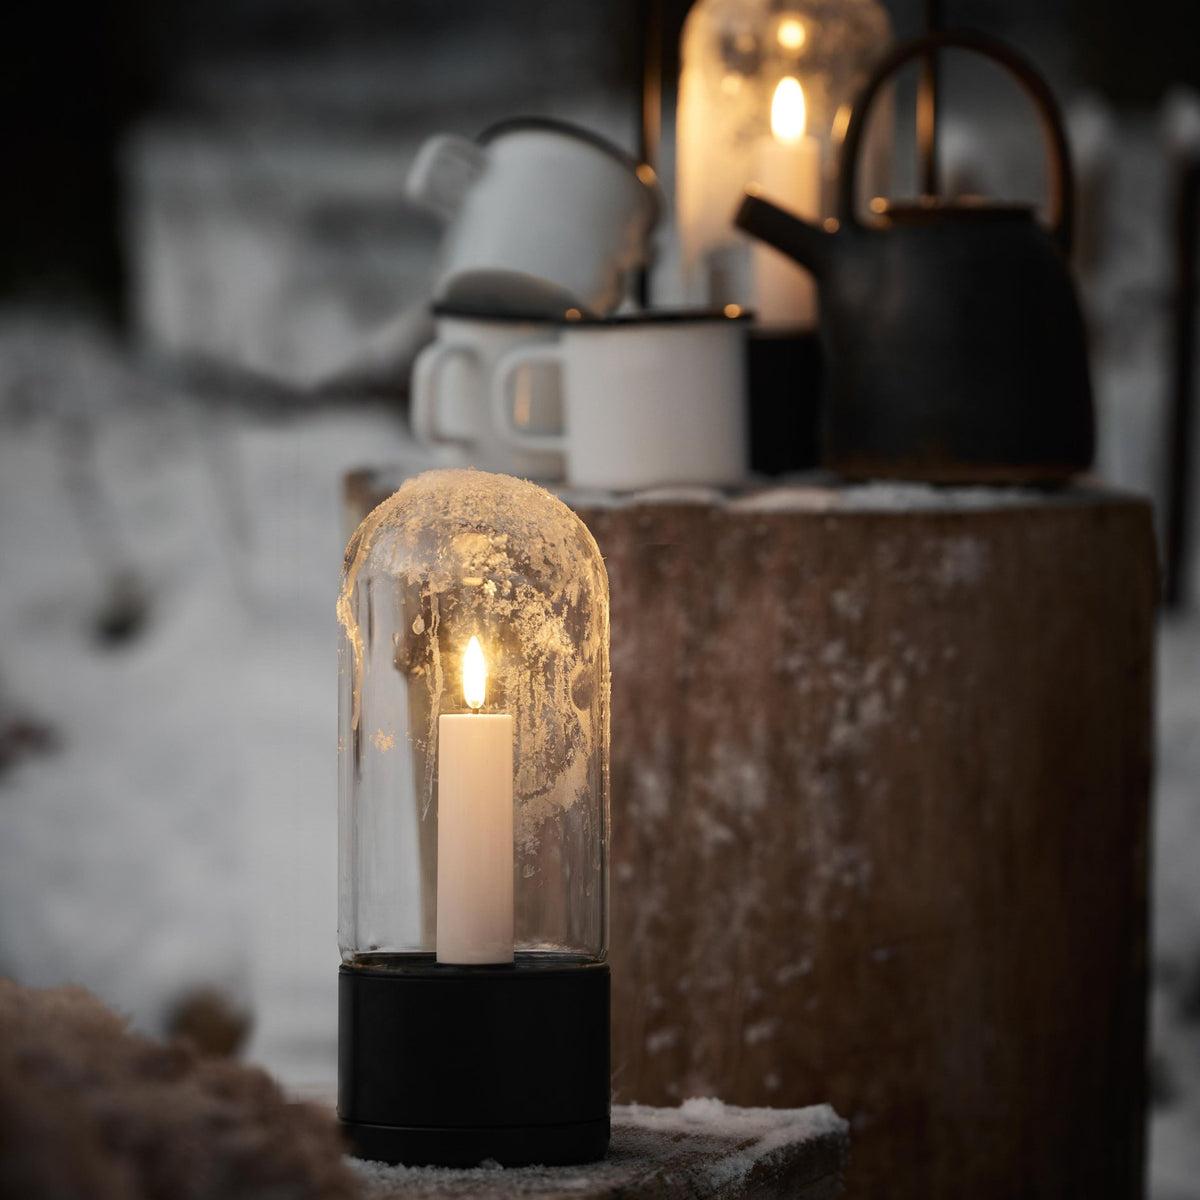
(443, 171)
(1062, 212)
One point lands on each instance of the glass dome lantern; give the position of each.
(765, 92)
(473, 827)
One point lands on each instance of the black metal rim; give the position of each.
(921, 212)
(422, 967)
(566, 129)
(674, 316)
(511, 1146)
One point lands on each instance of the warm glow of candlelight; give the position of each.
(792, 34)
(787, 111)
(787, 166)
(474, 675)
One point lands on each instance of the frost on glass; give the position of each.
(733, 55)
(451, 555)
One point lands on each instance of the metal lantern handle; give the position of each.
(1058, 154)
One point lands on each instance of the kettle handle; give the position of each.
(1061, 186)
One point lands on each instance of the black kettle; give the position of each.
(954, 343)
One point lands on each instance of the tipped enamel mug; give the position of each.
(449, 400)
(647, 400)
(543, 216)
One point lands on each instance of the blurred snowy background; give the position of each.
(203, 211)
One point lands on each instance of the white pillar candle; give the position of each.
(787, 170)
(475, 827)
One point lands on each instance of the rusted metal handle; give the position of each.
(1062, 192)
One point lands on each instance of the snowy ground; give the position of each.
(184, 830)
(1175, 1036)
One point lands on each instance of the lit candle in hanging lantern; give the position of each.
(475, 826)
(787, 170)
(735, 55)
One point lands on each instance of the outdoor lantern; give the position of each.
(765, 92)
(473, 828)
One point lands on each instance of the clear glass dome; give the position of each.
(473, 728)
(765, 92)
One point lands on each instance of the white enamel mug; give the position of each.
(647, 400)
(449, 402)
(543, 216)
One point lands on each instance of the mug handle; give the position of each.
(424, 391)
(503, 397)
(443, 172)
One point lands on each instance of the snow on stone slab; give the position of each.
(676, 495)
(704, 1149)
(898, 496)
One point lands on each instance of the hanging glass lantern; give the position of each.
(765, 91)
(473, 828)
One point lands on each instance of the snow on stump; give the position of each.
(881, 766)
(704, 1150)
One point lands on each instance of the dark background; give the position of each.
(74, 77)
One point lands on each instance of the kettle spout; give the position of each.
(808, 244)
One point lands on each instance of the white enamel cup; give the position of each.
(449, 401)
(543, 216)
(647, 400)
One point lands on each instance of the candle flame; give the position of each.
(787, 111)
(474, 675)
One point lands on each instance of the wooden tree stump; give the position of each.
(881, 773)
(880, 791)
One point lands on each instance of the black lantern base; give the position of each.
(449, 1066)
(547, 1145)
(785, 374)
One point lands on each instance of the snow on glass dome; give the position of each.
(473, 729)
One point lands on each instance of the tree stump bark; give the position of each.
(880, 791)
